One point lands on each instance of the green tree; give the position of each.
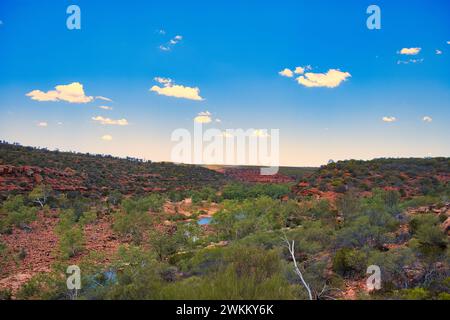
(40, 194)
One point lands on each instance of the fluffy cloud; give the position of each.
(331, 79)
(438, 51)
(427, 119)
(286, 73)
(107, 137)
(389, 119)
(448, 42)
(105, 107)
(72, 93)
(108, 121)
(298, 70)
(203, 117)
(301, 70)
(410, 51)
(42, 124)
(178, 91)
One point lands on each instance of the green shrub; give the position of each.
(415, 294)
(350, 262)
(71, 241)
(16, 213)
(133, 219)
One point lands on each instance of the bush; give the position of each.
(134, 217)
(16, 214)
(5, 294)
(71, 242)
(247, 273)
(415, 294)
(430, 237)
(350, 262)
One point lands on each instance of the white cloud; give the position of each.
(413, 61)
(42, 124)
(410, 51)
(301, 70)
(163, 80)
(175, 40)
(218, 120)
(72, 93)
(161, 31)
(107, 137)
(389, 119)
(103, 98)
(108, 121)
(178, 91)
(172, 42)
(164, 48)
(427, 119)
(203, 117)
(438, 52)
(448, 42)
(286, 73)
(331, 79)
(105, 107)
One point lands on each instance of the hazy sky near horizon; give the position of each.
(137, 70)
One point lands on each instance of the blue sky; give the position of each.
(232, 51)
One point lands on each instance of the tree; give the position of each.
(40, 194)
(133, 219)
(163, 242)
(291, 248)
(71, 241)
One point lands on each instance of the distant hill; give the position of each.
(252, 173)
(21, 168)
(410, 176)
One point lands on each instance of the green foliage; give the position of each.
(4, 255)
(239, 219)
(88, 217)
(5, 294)
(431, 239)
(204, 194)
(247, 273)
(393, 264)
(71, 235)
(71, 241)
(40, 194)
(15, 213)
(44, 286)
(414, 294)
(370, 222)
(139, 277)
(312, 237)
(237, 191)
(350, 262)
(134, 218)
